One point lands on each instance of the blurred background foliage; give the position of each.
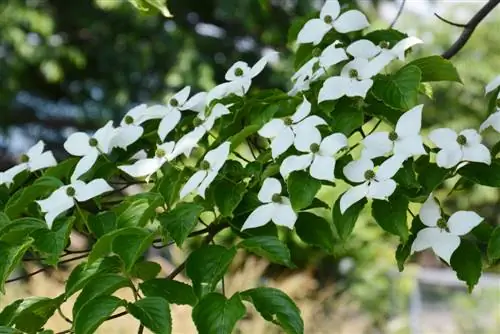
(68, 65)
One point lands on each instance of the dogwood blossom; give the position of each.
(34, 159)
(283, 131)
(146, 167)
(209, 168)
(320, 155)
(65, 197)
(405, 141)
(494, 84)
(455, 148)
(374, 184)
(441, 235)
(239, 76)
(89, 148)
(354, 80)
(315, 29)
(493, 120)
(275, 208)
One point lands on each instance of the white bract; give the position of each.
(374, 184)
(64, 198)
(441, 235)
(34, 159)
(240, 75)
(493, 120)
(455, 148)
(146, 167)
(275, 208)
(315, 29)
(405, 141)
(283, 131)
(320, 155)
(210, 166)
(89, 148)
(494, 84)
(354, 80)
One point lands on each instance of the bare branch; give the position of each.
(398, 15)
(469, 29)
(460, 25)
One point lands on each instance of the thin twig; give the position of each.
(469, 29)
(400, 11)
(26, 276)
(141, 329)
(68, 320)
(118, 315)
(460, 25)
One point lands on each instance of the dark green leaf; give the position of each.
(51, 243)
(180, 221)
(171, 183)
(466, 261)
(302, 189)
(277, 307)
(131, 246)
(153, 313)
(436, 68)
(8, 330)
(20, 228)
(207, 265)
(391, 215)
(137, 210)
(241, 136)
(400, 90)
(487, 175)
(94, 313)
(146, 270)
(346, 117)
(102, 223)
(9, 312)
(430, 175)
(385, 35)
(173, 291)
(344, 223)
(63, 169)
(228, 195)
(152, 6)
(494, 245)
(10, 257)
(270, 248)
(34, 312)
(215, 314)
(315, 230)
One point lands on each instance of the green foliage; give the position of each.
(436, 68)
(216, 314)
(181, 221)
(153, 313)
(173, 291)
(399, 90)
(270, 248)
(391, 215)
(344, 223)
(94, 313)
(302, 189)
(11, 255)
(315, 230)
(466, 262)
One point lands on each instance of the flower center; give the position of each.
(314, 148)
(128, 119)
(328, 19)
(197, 121)
(442, 224)
(238, 72)
(462, 140)
(316, 52)
(25, 158)
(369, 175)
(160, 153)
(288, 121)
(70, 191)
(276, 198)
(173, 102)
(384, 45)
(393, 136)
(93, 142)
(353, 73)
(205, 165)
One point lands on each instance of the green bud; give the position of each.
(128, 119)
(369, 175)
(393, 136)
(70, 191)
(462, 140)
(25, 158)
(314, 148)
(276, 198)
(205, 165)
(160, 153)
(328, 19)
(93, 142)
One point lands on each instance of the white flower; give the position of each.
(283, 131)
(405, 141)
(240, 75)
(276, 208)
(210, 166)
(315, 29)
(172, 111)
(64, 198)
(377, 185)
(146, 167)
(354, 80)
(493, 120)
(494, 84)
(89, 148)
(320, 155)
(441, 235)
(34, 159)
(455, 148)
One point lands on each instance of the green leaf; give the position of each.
(344, 223)
(426, 89)
(82, 273)
(270, 248)
(20, 200)
(63, 169)
(346, 118)
(100, 285)
(207, 265)
(494, 245)
(315, 230)
(430, 175)
(406, 176)
(466, 262)
(34, 312)
(180, 221)
(493, 103)
(391, 215)
(146, 270)
(215, 314)
(51, 243)
(8, 330)
(153, 313)
(399, 90)
(402, 253)
(237, 139)
(131, 246)
(137, 210)
(171, 183)
(9, 259)
(228, 196)
(94, 313)
(174, 292)
(436, 68)
(385, 35)
(20, 228)
(277, 307)
(9, 312)
(486, 175)
(261, 118)
(302, 189)
(102, 223)
(151, 6)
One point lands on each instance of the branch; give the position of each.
(460, 25)
(400, 11)
(469, 29)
